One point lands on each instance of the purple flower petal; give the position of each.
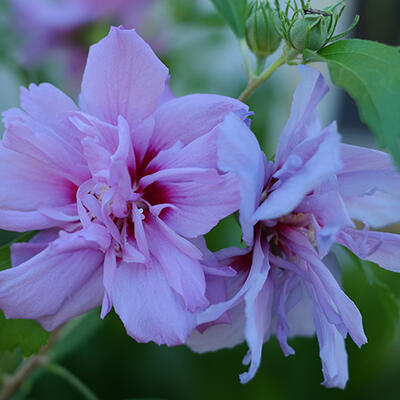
(303, 121)
(189, 117)
(258, 310)
(200, 153)
(347, 316)
(182, 269)
(84, 299)
(379, 247)
(370, 186)
(258, 264)
(122, 77)
(60, 271)
(28, 186)
(22, 221)
(221, 335)
(240, 153)
(149, 308)
(200, 198)
(321, 161)
(328, 208)
(332, 352)
(38, 142)
(21, 252)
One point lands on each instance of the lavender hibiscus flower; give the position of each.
(119, 187)
(292, 212)
(53, 27)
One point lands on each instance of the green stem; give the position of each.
(256, 82)
(12, 383)
(260, 64)
(246, 58)
(71, 379)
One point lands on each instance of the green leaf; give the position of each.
(380, 290)
(370, 73)
(76, 333)
(235, 13)
(24, 334)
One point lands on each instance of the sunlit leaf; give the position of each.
(370, 73)
(24, 334)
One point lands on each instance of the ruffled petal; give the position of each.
(300, 317)
(84, 299)
(37, 141)
(344, 315)
(49, 106)
(88, 126)
(189, 117)
(370, 186)
(28, 187)
(21, 252)
(319, 159)
(242, 282)
(287, 288)
(240, 153)
(330, 214)
(303, 121)
(42, 285)
(332, 351)
(199, 198)
(28, 184)
(22, 221)
(52, 135)
(223, 282)
(123, 77)
(258, 309)
(200, 153)
(179, 260)
(149, 308)
(222, 335)
(379, 247)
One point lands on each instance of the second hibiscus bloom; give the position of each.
(293, 210)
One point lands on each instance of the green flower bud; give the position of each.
(262, 34)
(309, 32)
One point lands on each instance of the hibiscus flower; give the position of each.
(119, 187)
(293, 210)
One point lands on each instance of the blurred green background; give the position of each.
(203, 57)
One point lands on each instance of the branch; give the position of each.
(11, 383)
(256, 82)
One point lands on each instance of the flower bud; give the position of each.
(309, 32)
(262, 34)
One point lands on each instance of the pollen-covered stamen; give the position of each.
(268, 188)
(296, 219)
(123, 214)
(271, 231)
(303, 222)
(103, 190)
